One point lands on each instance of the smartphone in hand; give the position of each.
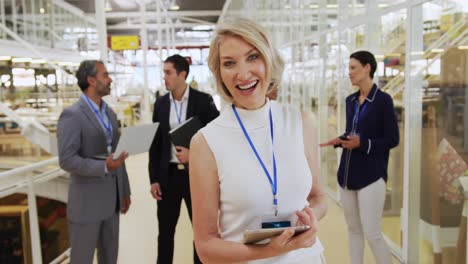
(342, 137)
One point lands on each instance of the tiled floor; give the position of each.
(138, 229)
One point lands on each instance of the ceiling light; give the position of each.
(174, 7)
(42, 10)
(107, 6)
(383, 5)
(313, 6)
(287, 6)
(16, 60)
(62, 63)
(379, 57)
(5, 58)
(463, 47)
(437, 50)
(203, 27)
(332, 6)
(39, 61)
(416, 53)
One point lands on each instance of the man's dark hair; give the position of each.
(365, 57)
(180, 64)
(87, 68)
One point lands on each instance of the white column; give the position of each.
(159, 39)
(372, 26)
(343, 82)
(412, 149)
(101, 28)
(14, 17)
(51, 17)
(145, 114)
(25, 32)
(2, 15)
(34, 20)
(322, 89)
(34, 223)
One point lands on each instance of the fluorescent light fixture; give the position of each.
(383, 5)
(313, 6)
(174, 7)
(287, 6)
(42, 10)
(39, 61)
(437, 50)
(332, 6)
(63, 63)
(203, 27)
(16, 60)
(67, 63)
(107, 6)
(379, 57)
(5, 58)
(16, 71)
(416, 53)
(463, 47)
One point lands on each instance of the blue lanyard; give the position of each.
(357, 113)
(178, 112)
(107, 127)
(273, 182)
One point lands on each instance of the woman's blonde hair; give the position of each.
(255, 35)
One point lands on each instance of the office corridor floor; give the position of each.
(138, 229)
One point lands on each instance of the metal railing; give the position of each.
(48, 23)
(28, 177)
(64, 258)
(454, 35)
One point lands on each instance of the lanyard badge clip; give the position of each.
(275, 205)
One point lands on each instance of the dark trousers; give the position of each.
(178, 188)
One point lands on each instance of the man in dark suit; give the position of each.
(99, 188)
(168, 168)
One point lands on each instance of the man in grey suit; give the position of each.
(99, 187)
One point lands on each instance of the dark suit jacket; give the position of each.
(200, 105)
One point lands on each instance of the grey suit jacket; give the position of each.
(92, 194)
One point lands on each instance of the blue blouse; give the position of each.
(376, 124)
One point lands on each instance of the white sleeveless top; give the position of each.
(245, 192)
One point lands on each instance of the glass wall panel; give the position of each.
(390, 72)
(330, 158)
(443, 68)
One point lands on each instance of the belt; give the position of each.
(178, 166)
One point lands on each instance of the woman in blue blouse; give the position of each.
(371, 131)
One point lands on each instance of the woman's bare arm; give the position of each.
(204, 187)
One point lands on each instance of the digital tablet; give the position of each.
(254, 236)
(136, 139)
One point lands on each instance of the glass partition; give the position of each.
(390, 77)
(443, 70)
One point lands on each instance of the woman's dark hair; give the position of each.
(365, 57)
(87, 68)
(180, 64)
